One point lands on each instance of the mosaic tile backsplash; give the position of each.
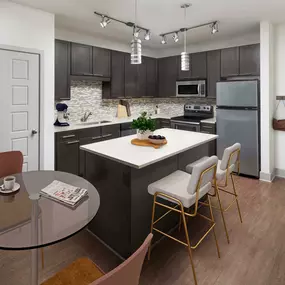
(87, 96)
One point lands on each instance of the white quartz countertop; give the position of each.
(121, 149)
(113, 121)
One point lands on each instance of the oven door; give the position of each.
(192, 127)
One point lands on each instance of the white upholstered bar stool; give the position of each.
(230, 162)
(184, 190)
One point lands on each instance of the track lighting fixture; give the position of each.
(147, 35)
(163, 40)
(136, 32)
(105, 21)
(215, 28)
(175, 37)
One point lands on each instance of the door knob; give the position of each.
(34, 132)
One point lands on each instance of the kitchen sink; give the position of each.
(93, 123)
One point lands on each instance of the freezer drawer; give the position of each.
(238, 94)
(240, 126)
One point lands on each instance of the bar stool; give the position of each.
(185, 190)
(225, 168)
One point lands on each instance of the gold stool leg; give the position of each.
(239, 212)
(212, 217)
(222, 213)
(152, 220)
(189, 245)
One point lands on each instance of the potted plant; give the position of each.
(144, 125)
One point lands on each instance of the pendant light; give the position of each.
(185, 62)
(136, 44)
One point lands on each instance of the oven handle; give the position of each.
(199, 89)
(185, 123)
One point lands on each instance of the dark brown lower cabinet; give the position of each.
(210, 129)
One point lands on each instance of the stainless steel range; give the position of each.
(193, 114)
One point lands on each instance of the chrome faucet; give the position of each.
(85, 117)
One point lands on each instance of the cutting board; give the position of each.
(122, 111)
(147, 143)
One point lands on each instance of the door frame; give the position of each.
(40, 53)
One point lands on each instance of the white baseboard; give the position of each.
(268, 177)
(280, 172)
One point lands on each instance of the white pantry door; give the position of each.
(19, 105)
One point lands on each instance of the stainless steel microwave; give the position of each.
(191, 88)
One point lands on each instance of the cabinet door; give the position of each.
(62, 70)
(210, 129)
(167, 75)
(151, 77)
(67, 156)
(110, 132)
(141, 79)
(249, 60)
(213, 71)
(81, 59)
(118, 75)
(198, 65)
(131, 78)
(230, 62)
(101, 62)
(183, 74)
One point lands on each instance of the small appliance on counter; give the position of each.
(193, 114)
(62, 115)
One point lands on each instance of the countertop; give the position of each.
(114, 121)
(121, 149)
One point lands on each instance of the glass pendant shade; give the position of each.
(136, 51)
(185, 62)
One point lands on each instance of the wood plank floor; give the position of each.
(255, 256)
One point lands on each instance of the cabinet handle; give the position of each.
(87, 74)
(96, 138)
(108, 135)
(73, 142)
(64, 98)
(207, 127)
(95, 74)
(68, 137)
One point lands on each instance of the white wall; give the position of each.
(33, 29)
(267, 100)
(98, 41)
(280, 91)
(245, 39)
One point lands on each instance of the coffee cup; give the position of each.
(9, 182)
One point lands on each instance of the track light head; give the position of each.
(105, 21)
(147, 35)
(136, 32)
(163, 40)
(215, 28)
(175, 37)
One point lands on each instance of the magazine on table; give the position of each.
(64, 193)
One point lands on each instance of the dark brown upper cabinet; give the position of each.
(81, 60)
(101, 62)
(198, 65)
(117, 89)
(151, 77)
(141, 79)
(249, 60)
(62, 70)
(230, 62)
(213, 72)
(131, 78)
(167, 76)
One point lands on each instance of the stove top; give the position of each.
(188, 119)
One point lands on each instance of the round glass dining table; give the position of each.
(29, 221)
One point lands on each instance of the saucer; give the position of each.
(15, 188)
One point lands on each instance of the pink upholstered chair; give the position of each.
(83, 269)
(11, 162)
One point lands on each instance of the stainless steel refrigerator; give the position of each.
(238, 121)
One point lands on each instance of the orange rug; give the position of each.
(81, 272)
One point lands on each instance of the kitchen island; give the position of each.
(121, 173)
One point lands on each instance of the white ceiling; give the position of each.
(236, 17)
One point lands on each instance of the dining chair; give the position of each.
(230, 163)
(11, 162)
(185, 191)
(84, 272)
